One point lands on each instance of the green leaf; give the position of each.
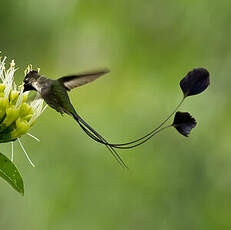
(10, 173)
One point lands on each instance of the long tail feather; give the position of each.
(141, 140)
(97, 137)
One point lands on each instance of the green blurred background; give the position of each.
(173, 183)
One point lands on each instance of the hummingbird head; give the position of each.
(29, 79)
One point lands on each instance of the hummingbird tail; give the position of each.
(128, 145)
(97, 137)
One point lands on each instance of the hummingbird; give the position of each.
(54, 93)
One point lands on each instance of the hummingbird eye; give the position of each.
(26, 80)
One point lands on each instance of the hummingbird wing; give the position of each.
(74, 81)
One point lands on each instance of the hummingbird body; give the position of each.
(54, 92)
(56, 96)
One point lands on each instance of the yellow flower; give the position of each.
(17, 115)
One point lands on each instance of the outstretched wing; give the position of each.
(73, 81)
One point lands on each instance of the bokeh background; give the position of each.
(174, 182)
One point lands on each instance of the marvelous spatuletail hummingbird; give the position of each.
(54, 92)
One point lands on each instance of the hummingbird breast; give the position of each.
(56, 96)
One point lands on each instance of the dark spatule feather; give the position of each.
(184, 123)
(195, 82)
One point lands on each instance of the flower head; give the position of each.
(16, 114)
